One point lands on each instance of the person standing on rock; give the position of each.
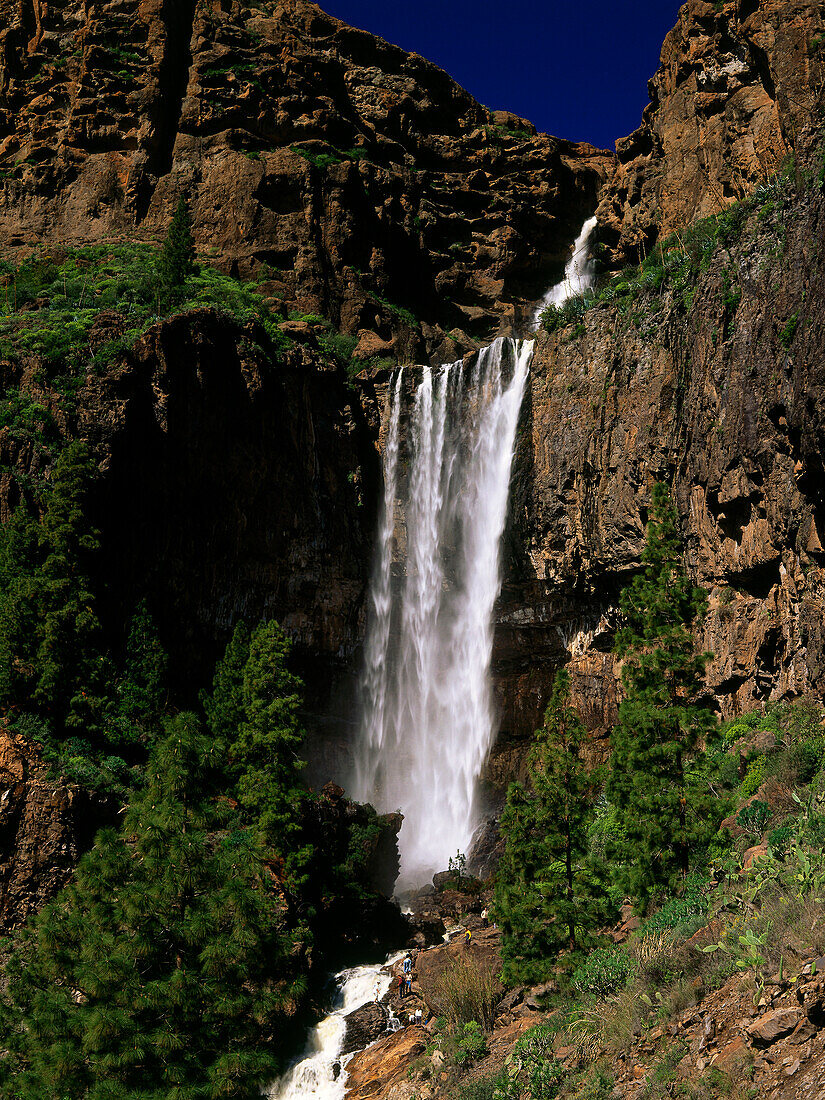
(376, 993)
(406, 969)
(402, 984)
(467, 936)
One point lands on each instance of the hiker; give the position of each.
(467, 936)
(484, 917)
(376, 993)
(402, 982)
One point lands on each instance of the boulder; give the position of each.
(363, 1026)
(510, 1001)
(371, 345)
(774, 1025)
(374, 1070)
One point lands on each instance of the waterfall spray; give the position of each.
(429, 718)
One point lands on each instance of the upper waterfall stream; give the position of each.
(579, 274)
(429, 719)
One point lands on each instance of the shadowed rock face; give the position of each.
(355, 177)
(736, 92)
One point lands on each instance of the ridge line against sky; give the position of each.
(577, 71)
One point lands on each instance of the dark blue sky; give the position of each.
(576, 69)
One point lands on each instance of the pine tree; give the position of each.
(20, 559)
(50, 635)
(264, 752)
(176, 262)
(664, 815)
(164, 971)
(253, 712)
(141, 690)
(71, 666)
(224, 707)
(545, 896)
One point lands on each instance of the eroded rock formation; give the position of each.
(726, 404)
(355, 178)
(43, 829)
(737, 92)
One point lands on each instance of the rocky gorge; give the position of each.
(371, 198)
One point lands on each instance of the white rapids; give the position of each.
(429, 719)
(320, 1073)
(579, 274)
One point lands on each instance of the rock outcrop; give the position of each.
(43, 828)
(724, 402)
(363, 1026)
(737, 92)
(374, 1071)
(359, 180)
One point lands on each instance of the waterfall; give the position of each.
(320, 1072)
(579, 274)
(429, 718)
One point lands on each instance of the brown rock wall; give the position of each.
(353, 176)
(39, 831)
(726, 406)
(739, 88)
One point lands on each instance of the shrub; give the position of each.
(681, 910)
(754, 777)
(531, 1069)
(779, 840)
(482, 1089)
(339, 346)
(754, 817)
(468, 991)
(789, 331)
(471, 1044)
(605, 971)
(597, 1085)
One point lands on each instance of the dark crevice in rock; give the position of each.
(178, 17)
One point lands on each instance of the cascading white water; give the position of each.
(579, 274)
(320, 1074)
(429, 716)
(378, 638)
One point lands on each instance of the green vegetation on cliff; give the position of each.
(175, 962)
(664, 809)
(547, 895)
(54, 300)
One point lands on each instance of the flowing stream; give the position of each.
(320, 1072)
(579, 274)
(429, 719)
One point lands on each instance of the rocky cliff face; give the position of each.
(738, 90)
(232, 487)
(44, 826)
(360, 181)
(725, 403)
